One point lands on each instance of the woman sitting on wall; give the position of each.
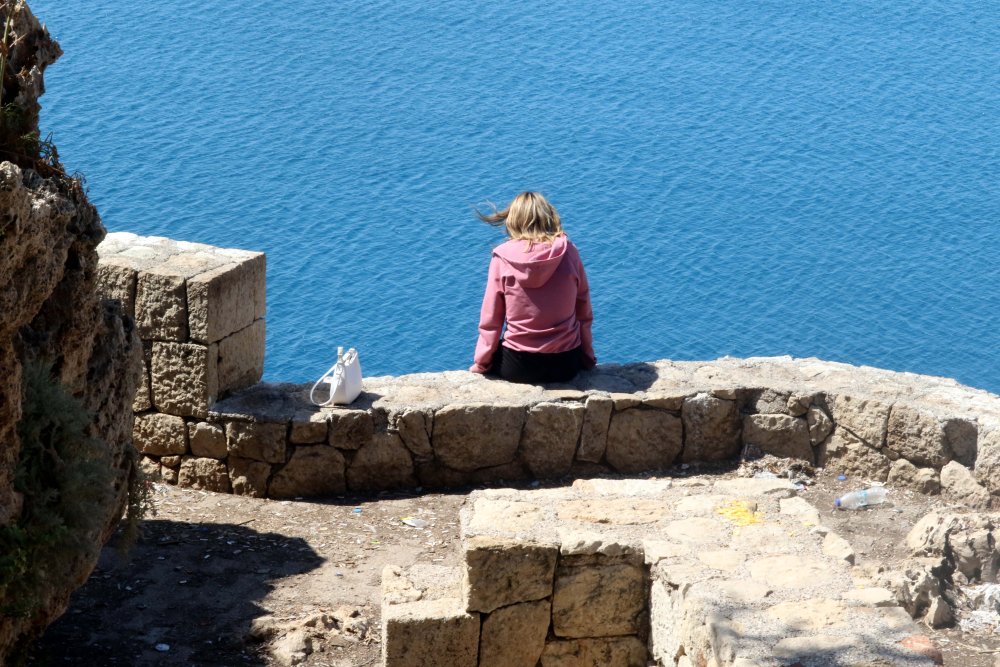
(536, 286)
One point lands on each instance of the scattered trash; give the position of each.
(799, 486)
(841, 478)
(162, 648)
(356, 510)
(984, 601)
(415, 523)
(856, 500)
(765, 474)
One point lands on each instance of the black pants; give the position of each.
(535, 367)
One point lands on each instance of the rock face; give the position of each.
(49, 309)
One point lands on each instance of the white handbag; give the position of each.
(343, 378)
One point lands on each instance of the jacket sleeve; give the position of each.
(491, 319)
(585, 316)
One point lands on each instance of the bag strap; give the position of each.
(337, 366)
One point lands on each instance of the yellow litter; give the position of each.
(740, 513)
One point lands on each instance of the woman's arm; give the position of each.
(491, 318)
(585, 316)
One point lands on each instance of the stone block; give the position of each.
(594, 437)
(309, 427)
(476, 435)
(158, 434)
(598, 600)
(260, 441)
(640, 440)
(905, 475)
(241, 358)
(847, 455)
(173, 462)
(610, 652)
(988, 461)
(161, 306)
(383, 463)
(819, 424)
(958, 485)
(207, 440)
(866, 420)
(548, 442)
(204, 473)
(350, 429)
(711, 428)
(117, 280)
(227, 299)
(184, 378)
(500, 572)
(316, 470)
(918, 437)
(429, 632)
(143, 394)
(780, 435)
(514, 636)
(248, 477)
(414, 429)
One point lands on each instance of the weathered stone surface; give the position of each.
(158, 434)
(673, 401)
(350, 429)
(184, 378)
(384, 463)
(871, 597)
(598, 601)
(414, 429)
(962, 436)
(641, 440)
(781, 435)
(207, 440)
(117, 280)
(144, 393)
(958, 485)
(838, 548)
(809, 615)
(918, 437)
(204, 473)
(171, 461)
(864, 419)
(789, 571)
(847, 455)
(429, 632)
(613, 511)
(503, 515)
(316, 470)
(801, 509)
(594, 437)
(309, 427)
(248, 477)
(514, 636)
(988, 461)
(905, 475)
(161, 306)
(610, 652)
(241, 358)
(499, 572)
(548, 441)
(256, 440)
(819, 424)
(224, 300)
(711, 428)
(477, 435)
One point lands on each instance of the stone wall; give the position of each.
(200, 312)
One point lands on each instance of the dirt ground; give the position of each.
(209, 565)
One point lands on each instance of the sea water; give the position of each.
(741, 177)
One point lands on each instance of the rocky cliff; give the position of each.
(52, 318)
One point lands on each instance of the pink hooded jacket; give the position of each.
(544, 297)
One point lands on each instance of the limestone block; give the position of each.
(871, 597)
(309, 427)
(173, 462)
(847, 455)
(641, 440)
(549, 439)
(477, 435)
(865, 420)
(962, 436)
(383, 463)
(988, 461)
(502, 515)
(433, 475)
(514, 636)
(261, 441)
(224, 300)
(781, 435)
(958, 485)
(414, 429)
(350, 429)
(711, 428)
(789, 571)
(168, 475)
(594, 437)
(429, 632)
(819, 424)
(117, 280)
(499, 572)
(241, 358)
(905, 475)
(800, 509)
(598, 601)
(204, 473)
(144, 394)
(809, 615)
(838, 548)
(158, 434)
(799, 404)
(316, 470)
(918, 437)
(150, 468)
(207, 440)
(184, 378)
(161, 305)
(611, 652)
(673, 401)
(248, 477)
(768, 401)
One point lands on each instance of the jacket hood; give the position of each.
(533, 268)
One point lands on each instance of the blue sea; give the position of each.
(742, 177)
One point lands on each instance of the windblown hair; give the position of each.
(529, 217)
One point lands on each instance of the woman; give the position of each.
(536, 286)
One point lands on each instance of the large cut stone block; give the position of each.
(224, 300)
(414, 429)
(477, 435)
(988, 461)
(612, 652)
(351, 429)
(711, 428)
(429, 632)
(641, 440)
(548, 442)
(309, 427)
(598, 600)
(161, 305)
(259, 441)
(918, 437)
(207, 440)
(846, 454)
(116, 279)
(864, 419)
(157, 434)
(184, 377)
(241, 358)
(499, 572)
(384, 463)
(594, 437)
(316, 470)
(514, 636)
(207, 474)
(781, 435)
(248, 477)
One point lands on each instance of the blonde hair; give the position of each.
(530, 217)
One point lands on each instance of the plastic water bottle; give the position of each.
(855, 500)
